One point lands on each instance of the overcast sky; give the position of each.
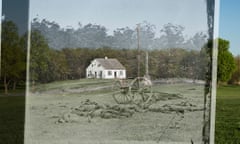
(121, 13)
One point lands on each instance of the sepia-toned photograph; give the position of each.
(119, 71)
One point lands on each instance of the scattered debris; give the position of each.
(68, 118)
(91, 109)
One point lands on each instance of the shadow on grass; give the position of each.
(12, 114)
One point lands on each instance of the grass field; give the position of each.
(228, 115)
(12, 109)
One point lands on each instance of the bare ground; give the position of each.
(45, 108)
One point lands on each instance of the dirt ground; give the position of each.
(167, 120)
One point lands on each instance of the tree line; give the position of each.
(228, 66)
(235, 78)
(13, 56)
(48, 64)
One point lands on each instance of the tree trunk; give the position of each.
(5, 84)
(14, 85)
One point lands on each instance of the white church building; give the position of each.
(106, 68)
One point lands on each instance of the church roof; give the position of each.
(110, 63)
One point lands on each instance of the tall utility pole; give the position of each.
(138, 55)
(146, 66)
(138, 50)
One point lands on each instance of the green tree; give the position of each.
(39, 57)
(226, 63)
(58, 68)
(235, 79)
(12, 59)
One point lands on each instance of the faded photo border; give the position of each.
(213, 31)
(214, 70)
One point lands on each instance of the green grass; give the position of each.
(228, 115)
(12, 110)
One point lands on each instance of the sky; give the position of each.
(121, 13)
(16, 11)
(229, 24)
